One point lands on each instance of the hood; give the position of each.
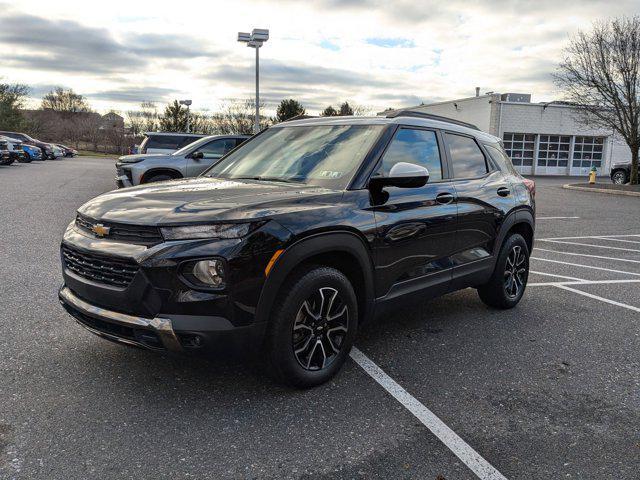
(139, 157)
(200, 200)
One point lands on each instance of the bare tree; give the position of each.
(600, 76)
(237, 117)
(66, 101)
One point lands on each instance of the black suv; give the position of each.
(295, 239)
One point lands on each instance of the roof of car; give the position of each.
(400, 118)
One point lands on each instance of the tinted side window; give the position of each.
(466, 157)
(501, 158)
(184, 141)
(413, 146)
(164, 141)
(218, 147)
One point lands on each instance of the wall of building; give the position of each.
(558, 120)
(475, 110)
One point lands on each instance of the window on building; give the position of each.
(553, 150)
(467, 158)
(519, 147)
(587, 152)
(414, 146)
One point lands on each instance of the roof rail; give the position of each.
(430, 116)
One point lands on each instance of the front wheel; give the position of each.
(313, 328)
(509, 280)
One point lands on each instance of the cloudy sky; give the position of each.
(375, 53)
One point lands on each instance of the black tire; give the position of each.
(320, 323)
(159, 177)
(27, 158)
(509, 280)
(619, 177)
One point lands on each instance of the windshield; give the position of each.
(184, 150)
(322, 155)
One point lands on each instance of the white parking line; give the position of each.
(585, 266)
(583, 282)
(609, 239)
(590, 245)
(591, 236)
(554, 218)
(602, 299)
(628, 260)
(559, 276)
(472, 459)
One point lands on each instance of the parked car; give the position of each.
(57, 151)
(166, 142)
(5, 155)
(621, 173)
(67, 151)
(189, 161)
(14, 147)
(31, 152)
(299, 236)
(47, 148)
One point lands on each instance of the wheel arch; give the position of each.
(520, 221)
(345, 251)
(160, 171)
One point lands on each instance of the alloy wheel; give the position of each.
(619, 178)
(515, 272)
(320, 329)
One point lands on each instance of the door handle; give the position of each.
(444, 198)
(503, 191)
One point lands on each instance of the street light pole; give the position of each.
(255, 39)
(256, 125)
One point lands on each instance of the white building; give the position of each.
(540, 138)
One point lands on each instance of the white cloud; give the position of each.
(373, 52)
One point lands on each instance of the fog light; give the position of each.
(209, 272)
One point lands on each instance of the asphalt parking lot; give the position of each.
(550, 389)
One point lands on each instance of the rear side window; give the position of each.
(500, 157)
(466, 157)
(413, 146)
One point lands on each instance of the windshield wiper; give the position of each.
(266, 179)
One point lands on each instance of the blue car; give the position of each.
(32, 152)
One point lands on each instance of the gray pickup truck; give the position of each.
(189, 161)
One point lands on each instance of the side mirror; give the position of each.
(402, 175)
(197, 155)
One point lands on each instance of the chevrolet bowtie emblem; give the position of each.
(100, 230)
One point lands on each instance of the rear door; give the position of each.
(484, 196)
(212, 152)
(415, 227)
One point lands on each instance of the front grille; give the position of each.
(138, 234)
(117, 272)
(124, 171)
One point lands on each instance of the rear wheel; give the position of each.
(509, 280)
(619, 177)
(313, 328)
(26, 159)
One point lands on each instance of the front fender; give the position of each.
(307, 248)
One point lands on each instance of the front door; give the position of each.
(415, 227)
(211, 153)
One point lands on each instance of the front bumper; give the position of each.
(122, 181)
(151, 333)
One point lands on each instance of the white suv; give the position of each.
(189, 161)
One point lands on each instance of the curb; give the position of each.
(601, 190)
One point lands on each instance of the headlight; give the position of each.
(218, 230)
